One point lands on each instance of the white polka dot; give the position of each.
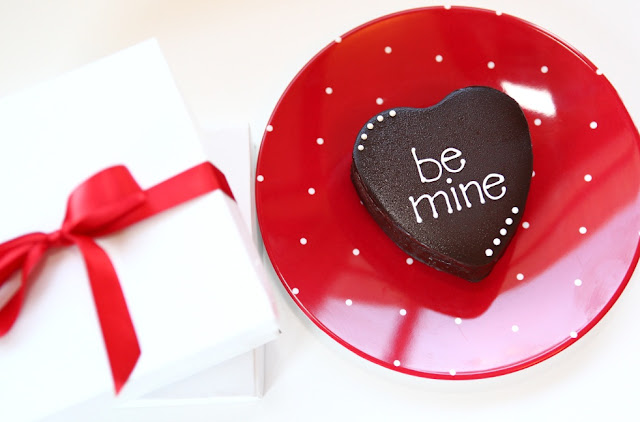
(509, 221)
(303, 240)
(360, 147)
(515, 328)
(533, 173)
(447, 7)
(269, 128)
(356, 252)
(488, 252)
(449, 180)
(369, 126)
(598, 72)
(396, 362)
(503, 232)
(295, 291)
(379, 101)
(515, 210)
(338, 40)
(392, 113)
(573, 334)
(582, 230)
(380, 118)
(311, 191)
(320, 141)
(525, 225)
(409, 261)
(388, 50)
(403, 312)
(458, 321)
(491, 65)
(520, 276)
(260, 178)
(577, 282)
(593, 125)
(328, 90)
(499, 13)
(537, 122)
(544, 69)
(587, 178)
(348, 302)
(364, 136)
(452, 372)
(496, 241)
(438, 58)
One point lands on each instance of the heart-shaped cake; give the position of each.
(448, 183)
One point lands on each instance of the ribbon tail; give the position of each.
(118, 332)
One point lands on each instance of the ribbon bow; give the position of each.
(105, 203)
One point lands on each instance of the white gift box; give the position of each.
(191, 277)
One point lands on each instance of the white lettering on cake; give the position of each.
(431, 201)
(488, 187)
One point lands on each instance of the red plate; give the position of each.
(566, 265)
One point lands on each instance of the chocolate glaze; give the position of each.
(490, 130)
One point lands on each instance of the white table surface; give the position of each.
(232, 60)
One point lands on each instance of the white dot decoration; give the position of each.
(328, 90)
(338, 40)
(515, 328)
(260, 178)
(577, 282)
(303, 240)
(509, 221)
(598, 72)
(515, 210)
(533, 173)
(269, 128)
(388, 50)
(491, 65)
(396, 362)
(348, 302)
(360, 147)
(379, 101)
(593, 125)
(403, 312)
(544, 69)
(447, 6)
(452, 372)
(363, 136)
(311, 191)
(587, 178)
(458, 321)
(537, 122)
(503, 232)
(356, 252)
(520, 276)
(295, 291)
(380, 118)
(409, 261)
(488, 252)
(496, 241)
(319, 141)
(392, 113)
(449, 180)
(369, 126)
(582, 230)
(525, 225)
(439, 58)
(573, 334)
(498, 13)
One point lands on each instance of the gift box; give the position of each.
(190, 276)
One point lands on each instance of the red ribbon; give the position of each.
(105, 203)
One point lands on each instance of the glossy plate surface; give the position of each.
(569, 260)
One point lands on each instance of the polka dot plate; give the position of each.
(571, 257)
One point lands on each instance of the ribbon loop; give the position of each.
(107, 202)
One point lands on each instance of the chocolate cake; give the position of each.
(448, 183)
